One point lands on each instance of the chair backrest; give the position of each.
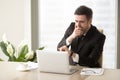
(100, 61)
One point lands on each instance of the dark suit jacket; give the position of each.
(88, 48)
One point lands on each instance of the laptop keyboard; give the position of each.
(73, 70)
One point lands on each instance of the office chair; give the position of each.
(100, 61)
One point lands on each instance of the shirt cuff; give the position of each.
(76, 58)
(67, 42)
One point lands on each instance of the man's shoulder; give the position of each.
(96, 31)
(99, 32)
(72, 24)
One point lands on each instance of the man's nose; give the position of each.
(79, 25)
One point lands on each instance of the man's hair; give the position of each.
(84, 10)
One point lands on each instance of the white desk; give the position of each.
(8, 72)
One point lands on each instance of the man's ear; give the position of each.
(90, 21)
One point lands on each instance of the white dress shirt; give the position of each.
(76, 58)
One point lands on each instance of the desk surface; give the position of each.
(8, 72)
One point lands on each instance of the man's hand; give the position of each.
(77, 32)
(65, 48)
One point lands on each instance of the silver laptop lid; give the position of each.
(53, 61)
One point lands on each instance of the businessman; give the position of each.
(82, 41)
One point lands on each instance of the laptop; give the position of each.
(54, 62)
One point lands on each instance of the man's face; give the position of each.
(82, 23)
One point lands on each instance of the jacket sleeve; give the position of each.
(68, 32)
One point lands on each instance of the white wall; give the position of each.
(15, 21)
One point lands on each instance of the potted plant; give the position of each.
(22, 54)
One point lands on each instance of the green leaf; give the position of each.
(41, 48)
(22, 53)
(21, 59)
(12, 58)
(4, 48)
(13, 49)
